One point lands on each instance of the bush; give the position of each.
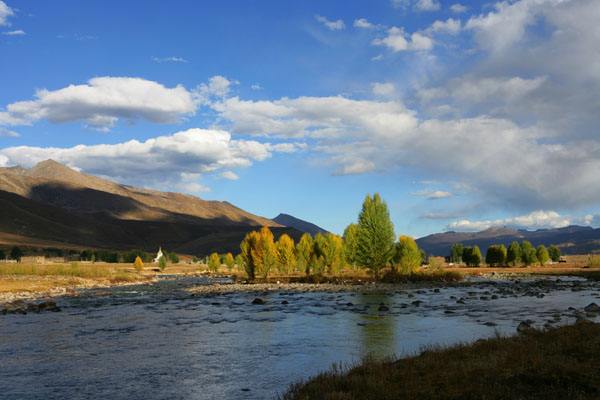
(138, 264)
(408, 256)
(214, 262)
(162, 263)
(554, 253)
(542, 255)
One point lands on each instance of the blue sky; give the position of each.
(463, 115)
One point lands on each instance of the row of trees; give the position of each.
(369, 243)
(523, 253)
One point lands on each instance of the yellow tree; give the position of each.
(249, 253)
(229, 261)
(286, 257)
(214, 262)
(408, 255)
(334, 253)
(138, 264)
(259, 252)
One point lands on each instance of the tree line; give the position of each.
(523, 253)
(369, 243)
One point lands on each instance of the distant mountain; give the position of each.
(56, 205)
(297, 223)
(571, 240)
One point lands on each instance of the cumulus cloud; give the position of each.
(362, 23)
(102, 101)
(450, 27)
(535, 220)
(217, 87)
(458, 8)
(5, 13)
(398, 40)
(383, 89)
(230, 175)
(18, 32)
(336, 25)
(177, 160)
(427, 5)
(433, 194)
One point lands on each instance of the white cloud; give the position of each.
(401, 4)
(217, 87)
(177, 160)
(362, 23)
(8, 133)
(229, 175)
(458, 8)
(171, 59)
(383, 89)
(18, 32)
(536, 220)
(337, 25)
(5, 13)
(397, 40)
(256, 86)
(451, 26)
(433, 194)
(102, 101)
(427, 5)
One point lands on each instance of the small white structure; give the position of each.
(159, 255)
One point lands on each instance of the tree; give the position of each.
(408, 255)
(554, 253)
(456, 253)
(513, 254)
(319, 249)
(2, 255)
(475, 256)
(16, 253)
(375, 236)
(528, 254)
(229, 261)
(214, 262)
(286, 256)
(138, 264)
(542, 255)
(239, 262)
(350, 243)
(162, 263)
(259, 252)
(333, 256)
(496, 255)
(304, 253)
(174, 258)
(466, 255)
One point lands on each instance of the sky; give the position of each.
(462, 115)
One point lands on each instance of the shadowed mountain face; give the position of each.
(296, 223)
(53, 203)
(571, 240)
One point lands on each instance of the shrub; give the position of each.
(138, 264)
(554, 253)
(162, 263)
(542, 255)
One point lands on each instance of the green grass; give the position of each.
(91, 271)
(558, 364)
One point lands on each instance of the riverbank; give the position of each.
(559, 363)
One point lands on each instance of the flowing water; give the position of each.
(160, 342)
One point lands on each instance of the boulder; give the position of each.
(258, 300)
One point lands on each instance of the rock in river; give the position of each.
(258, 300)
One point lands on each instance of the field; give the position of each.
(556, 364)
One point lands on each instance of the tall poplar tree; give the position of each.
(304, 253)
(350, 243)
(375, 236)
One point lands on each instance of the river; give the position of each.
(160, 342)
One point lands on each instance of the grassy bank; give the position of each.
(90, 271)
(556, 364)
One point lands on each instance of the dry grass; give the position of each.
(436, 275)
(557, 364)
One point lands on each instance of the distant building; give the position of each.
(158, 255)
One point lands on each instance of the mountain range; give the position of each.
(52, 205)
(571, 239)
(297, 223)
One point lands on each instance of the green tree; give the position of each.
(528, 253)
(239, 262)
(542, 255)
(304, 253)
(496, 255)
(350, 243)
(162, 263)
(16, 253)
(513, 254)
(320, 245)
(214, 262)
(456, 253)
(554, 253)
(375, 236)
(475, 257)
(334, 253)
(173, 258)
(466, 255)
(229, 261)
(408, 255)
(286, 254)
